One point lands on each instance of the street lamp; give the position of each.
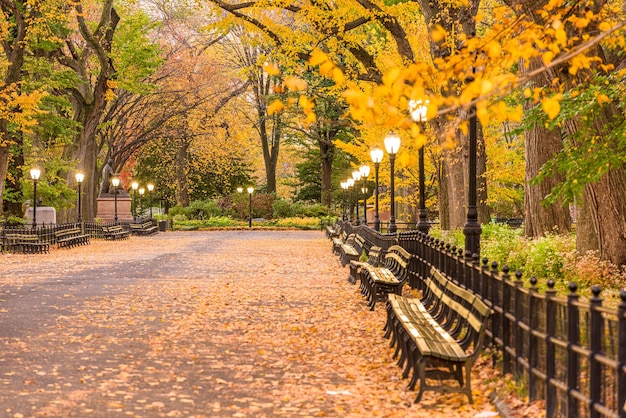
(150, 189)
(115, 181)
(134, 185)
(377, 156)
(392, 145)
(79, 179)
(239, 189)
(34, 174)
(418, 109)
(365, 172)
(350, 183)
(141, 192)
(472, 229)
(356, 175)
(250, 191)
(344, 187)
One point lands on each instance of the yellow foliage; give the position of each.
(295, 83)
(552, 106)
(438, 33)
(271, 68)
(276, 106)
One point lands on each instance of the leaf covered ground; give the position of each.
(201, 324)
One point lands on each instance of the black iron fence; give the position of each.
(568, 351)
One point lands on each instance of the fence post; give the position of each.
(573, 339)
(496, 318)
(519, 333)
(621, 374)
(533, 351)
(550, 352)
(506, 324)
(596, 334)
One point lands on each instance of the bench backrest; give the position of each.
(63, 232)
(112, 229)
(374, 257)
(397, 260)
(460, 312)
(359, 243)
(14, 238)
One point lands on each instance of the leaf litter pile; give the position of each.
(202, 324)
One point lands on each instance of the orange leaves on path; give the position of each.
(248, 324)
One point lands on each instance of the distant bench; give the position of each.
(115, 232)
(26, 243)
(71, 237)
(143, 228)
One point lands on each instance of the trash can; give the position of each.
(163, 226)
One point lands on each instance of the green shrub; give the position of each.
(317, 210)
(282, 209)
(13, 220)
(296, 222)
(546, 257)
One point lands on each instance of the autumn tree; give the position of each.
(23, 30)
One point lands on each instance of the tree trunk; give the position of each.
(455, 186)
(90, 101)
(16, 165)
(541, 145)
(14, 48)
(327, 156)
(444, 203)
(182, 186)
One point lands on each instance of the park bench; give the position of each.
(143, 228)
(333, 231)
(26, 243)
(114, 232)
(438, 335)
(374, 258)
(70, 237)
(340, 239)
(351, 249)
(378, 282)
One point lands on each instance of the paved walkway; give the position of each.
(198, 324)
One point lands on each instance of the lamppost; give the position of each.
(134, 185)
(418, 109)
(350, 183)
(356, 175)
(377, 156)
(79, 179)
(141, 192)
(472, 229)
(34, 174)
(250, 191)
(150, 189)
(344, 187)
(365, 172)
(115, 181)
(392, 145)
